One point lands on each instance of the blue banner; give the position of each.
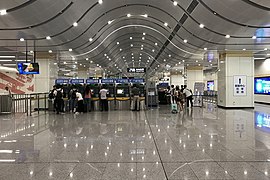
(138, 80)
(61, 81)
(77, 81)
(107, 81)
(92, 81)
(122, 81)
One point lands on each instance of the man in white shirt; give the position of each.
(103, 99)
(188, 94)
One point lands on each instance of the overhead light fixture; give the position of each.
(105, 54)
(265, 49)
(48, 37)
(201, 25)
(90, 39)
(31, 52)
(170, 55)
(130, 38)
(145, 15)
(9, 64)
(205, 49)
(70, 50)
(175, 3)
(185, 41)
(254, 37)
(165, 24)
(215, 13)
(259, 58)
(227, 36)
(75, 24)
(100, 1)
(5, 60)
(7, 56)
(21, 39)
(128, 15)
(144, 33)
(109, 22)
(143, 38)
(131, 45)
(50, 51)
(153, 50)
(117, 43)
(3, 12)
(120, 49)
(244, 49)
(156, 44)
(87, 59)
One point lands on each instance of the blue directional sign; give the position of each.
(92, 81)
(77, 81)
(122, 81)
(61, 81)
(107, 81)
(137, 80)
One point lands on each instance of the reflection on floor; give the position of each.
(208, 143)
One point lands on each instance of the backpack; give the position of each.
(51, 95)
(59, 94)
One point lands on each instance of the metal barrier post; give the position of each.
(37, 95)
(30, 105)
(45, 103)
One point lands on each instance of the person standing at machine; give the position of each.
(189, 96)
(179, 96)
(103, 99)
(87, 98)
(58, 101)
(72, 99)
(172, 94)
(80, 105)
(136, 98)
(168, 94)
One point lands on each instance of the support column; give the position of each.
(236, 80)
(194, 74)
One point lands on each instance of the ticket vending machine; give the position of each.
(95, 88)
(122, 93)
(110, 86)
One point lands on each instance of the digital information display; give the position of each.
(262, 120)
(262, 85)
(77, 81)
(61, 81)
(28, 68)
(210, 85)
(92, 81)
(136, 70)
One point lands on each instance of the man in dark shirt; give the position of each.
(136, 98)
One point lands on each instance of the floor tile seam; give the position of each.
(155, 143)
(254, 167)
(71, 171)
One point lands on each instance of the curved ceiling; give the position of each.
(114, 35)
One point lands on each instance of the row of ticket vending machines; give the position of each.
(119, 92)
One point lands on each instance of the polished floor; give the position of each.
(200, 143)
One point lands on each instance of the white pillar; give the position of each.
(236, 80)
(194, 74)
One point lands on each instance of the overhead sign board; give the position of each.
(121, 81)
(92, 81)
(61, 81)
(136, 70)
(137, 80)
(77, 81)
(107, 81)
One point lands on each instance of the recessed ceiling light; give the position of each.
(201, 25)
(87, 59)
(70, 50)
(170, 55)
(185, 41)
(175, 3)
(3, 12)
(100, 1)
(21, 39)
(153, 50)
(215, 13)
(265, 49)
(130, 38)
(131, 45)
(91, 61)
(227, 36)
(117, 43)
(144, 34)
(156, 44)
(105, 54)
(120, 49)
(90, 39)
(48, 37)
(75, 24)
(31, 52)
(128, 15)
(183, 60)
(164, 60)
(254, 37)
(143, 38)
(145, 15)
(109, 22)
(205, 49)
(50, 51)
(244, 49)
(165, 24)
(141, 48)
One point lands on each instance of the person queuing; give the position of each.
(72, 99)
(172, 94)
(136, 98)
(179, 97)
(87, 98)
(168, 94)
(58, 100)
(189, 96)
(80, 105)
(103, 99)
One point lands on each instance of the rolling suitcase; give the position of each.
(174, 108)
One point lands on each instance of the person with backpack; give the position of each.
(58, 101)
(189, 96)
(179, 98)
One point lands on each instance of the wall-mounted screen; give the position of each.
(28, 68)
(262, 85)
(120, 91)
(210, 85)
